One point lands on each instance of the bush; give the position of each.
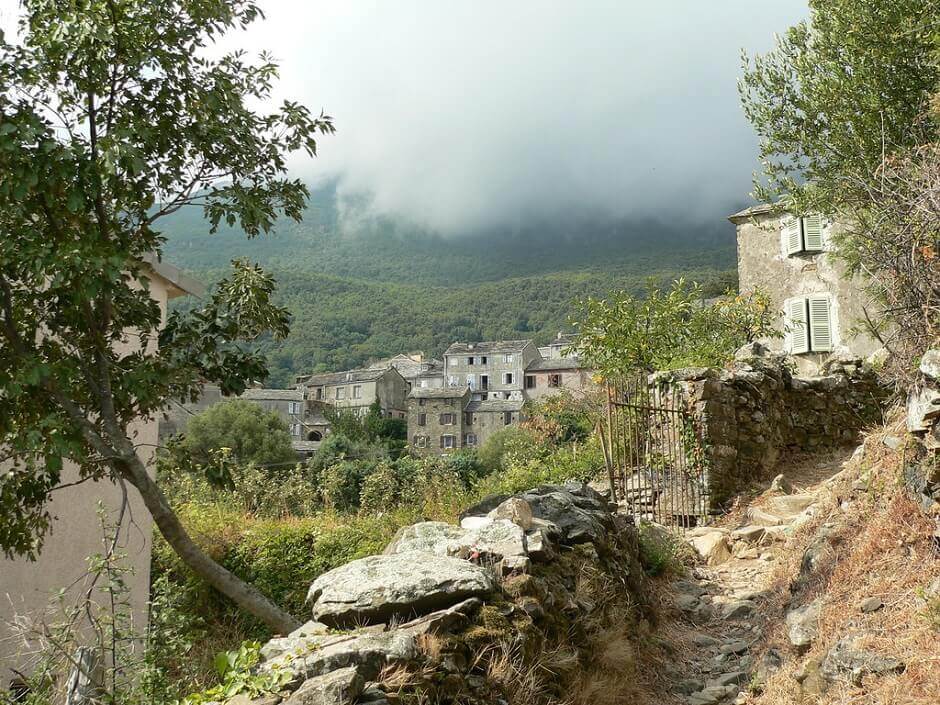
(661, 552)
(512, 439)
(252, 434)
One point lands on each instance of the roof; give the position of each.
(408, 367)
(438, 393)
(273, 394)
(182, 283)
(305, 446)
(750, 212)
(564, 339)
(495, 405)
(329, 378)
(561, 363)
(492, 346)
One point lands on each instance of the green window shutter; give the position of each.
(820, 323)
(812, 233)
(796, 325)
(792, 237)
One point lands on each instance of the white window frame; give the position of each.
(357, 391)
(293, 407)
(340, 393)
(508, 377)
(470, 439)
(448, 441)
(802, 234)
(421, 441)
(810, 324)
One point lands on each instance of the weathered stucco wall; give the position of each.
(763, 264)
(748, 415)
(27, 588)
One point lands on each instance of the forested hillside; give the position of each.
(379, 288)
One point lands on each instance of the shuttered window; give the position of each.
(809, 324)
(812, 233)
(797, 327)
(792, 235)
(802, 234)
(820, 324)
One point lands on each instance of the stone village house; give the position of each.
(790, 259)
(484, 387)
(27, 588)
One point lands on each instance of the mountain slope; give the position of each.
(385, 287)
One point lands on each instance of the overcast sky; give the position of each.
(459, 115)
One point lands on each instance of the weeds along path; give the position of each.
(721, 614)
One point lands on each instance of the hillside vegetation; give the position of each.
(388, 288)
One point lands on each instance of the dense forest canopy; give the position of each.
(380, 287)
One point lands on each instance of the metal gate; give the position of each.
(656, 456)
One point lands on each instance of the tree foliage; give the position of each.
(837, 94)
(111, 117)
(251, 435)
(669, 328)
(847, 111)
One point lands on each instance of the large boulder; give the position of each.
(579, 512)
(410, 583)
(930, 364)
(339, 687)
(847, 660)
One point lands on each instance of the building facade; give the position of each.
(491, 370)
(790, 258)
(545, 378)
(27, 588)
(357, 390)
(436, 419)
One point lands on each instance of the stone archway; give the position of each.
(314, 436)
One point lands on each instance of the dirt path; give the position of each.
(723, 608)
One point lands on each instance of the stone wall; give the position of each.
(446, 608)
(756, 409)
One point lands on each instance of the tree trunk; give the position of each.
(237, 590)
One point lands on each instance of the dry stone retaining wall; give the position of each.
(749, 414)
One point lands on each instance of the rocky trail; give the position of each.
(726, 605)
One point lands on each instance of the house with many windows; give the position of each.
(357, 390)
(789, 257)
(491, 370)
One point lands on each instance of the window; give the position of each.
(448, 441)
(295, 429)
(507, 418)
(507, 358)
(341, 392)
(470, 361)
(507, 378)
(483, 360)
(452, 380)
(809, 324)
(293, 407)
(421, 441)
(468, 419)
(319, 392)
(554, 380)
(802, 234)
(470, 439)
(530, 381)
(471, 380)
(448, 419)
(357, 392)
(484, 381)
(422, 419)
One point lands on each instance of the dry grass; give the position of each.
(886, 551)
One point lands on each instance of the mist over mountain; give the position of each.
(363, 288)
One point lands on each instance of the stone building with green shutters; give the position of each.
(790, 258)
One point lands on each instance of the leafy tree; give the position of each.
(252, 434)
(111, 117)
(838, 94)
(847, 111)
(511, 439)
(669, 329)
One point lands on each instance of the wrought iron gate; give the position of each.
(655, 454)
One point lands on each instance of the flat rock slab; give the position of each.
(339, 687)
(369, 653)
(410, 583)
(495, 539)
(789, 505)
(803, 624)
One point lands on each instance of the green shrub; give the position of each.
(512, 439)
(661, 552)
